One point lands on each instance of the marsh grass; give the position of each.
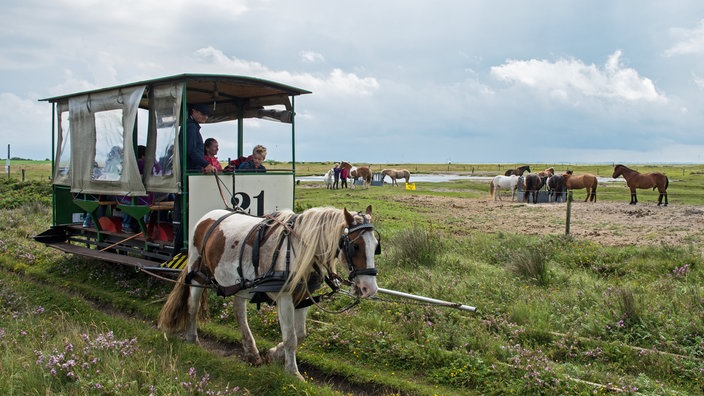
(530, 263)
(562, 337)
(415, 247)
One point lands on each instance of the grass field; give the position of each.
(557, 315)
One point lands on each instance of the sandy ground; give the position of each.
(606, 223)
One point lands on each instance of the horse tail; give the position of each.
(491, 188)
(174, 315)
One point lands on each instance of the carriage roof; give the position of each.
(230, 94)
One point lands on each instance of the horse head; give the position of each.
(618, 170)
(357, 247)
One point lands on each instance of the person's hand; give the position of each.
(209, 169)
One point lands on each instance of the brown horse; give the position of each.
(531, 185)
(518, 171)
(586, 181)
(396, 174)
(635, 180)
(356, 172)
(547, 172)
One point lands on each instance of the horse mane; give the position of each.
(316, 237)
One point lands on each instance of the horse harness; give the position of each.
(273, 281)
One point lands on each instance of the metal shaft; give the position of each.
(427, 300)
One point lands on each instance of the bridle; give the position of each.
(348, 247)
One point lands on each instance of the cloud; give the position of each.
(571, 79)
(311, 57)
(691, 41)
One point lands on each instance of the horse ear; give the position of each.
(348, 217)
(369, 210)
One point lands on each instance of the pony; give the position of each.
(547, 172)
(281, 258)
(531, 185)
(586, 181)
(556, 188)
(506, 182)
(635, 180)
(518, 171)
(396, 174)
(356, 172)
(327, 179)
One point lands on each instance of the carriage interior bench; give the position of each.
(152, 229)
(91, 205)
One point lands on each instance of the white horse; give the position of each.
(506, 182)
(328, 179)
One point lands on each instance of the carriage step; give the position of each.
(179, 261)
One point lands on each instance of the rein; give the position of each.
(220, 185)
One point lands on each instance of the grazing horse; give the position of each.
(635, 180)
(532, 184)
(396, 174)
(518, 171)
(356, 172)
(586, 181)
(505, 182)
(556, 188)
(282, 258)
(328, 178)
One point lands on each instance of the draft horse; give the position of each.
(635, 180)
(355, 173)
(577, 182)
(283, 257)
(505, 182)
(518, 171)
(396, 174)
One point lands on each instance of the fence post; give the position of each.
(569, 212)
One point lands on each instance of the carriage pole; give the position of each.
(428, 300)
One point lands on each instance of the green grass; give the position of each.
(555, 315)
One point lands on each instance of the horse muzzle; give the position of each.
(365, 286)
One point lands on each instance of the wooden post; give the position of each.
(569, 212)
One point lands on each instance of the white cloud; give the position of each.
(691, 41)
(573, 79)
(311, 57)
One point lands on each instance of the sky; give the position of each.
(398, 81)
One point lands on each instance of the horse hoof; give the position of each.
(254, 360)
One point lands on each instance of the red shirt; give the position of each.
(214, 162)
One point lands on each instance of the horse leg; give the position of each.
(286, 349)
(193, 308)
(249, 345)
(300, 324)
(634, 197)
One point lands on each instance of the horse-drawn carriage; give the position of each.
(96, 171)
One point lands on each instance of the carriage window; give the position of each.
(109, 134)
(65, 150)
(166, 125)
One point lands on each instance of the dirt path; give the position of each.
(606, 223)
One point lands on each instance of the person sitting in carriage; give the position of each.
(211, 153)
(254, 163)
